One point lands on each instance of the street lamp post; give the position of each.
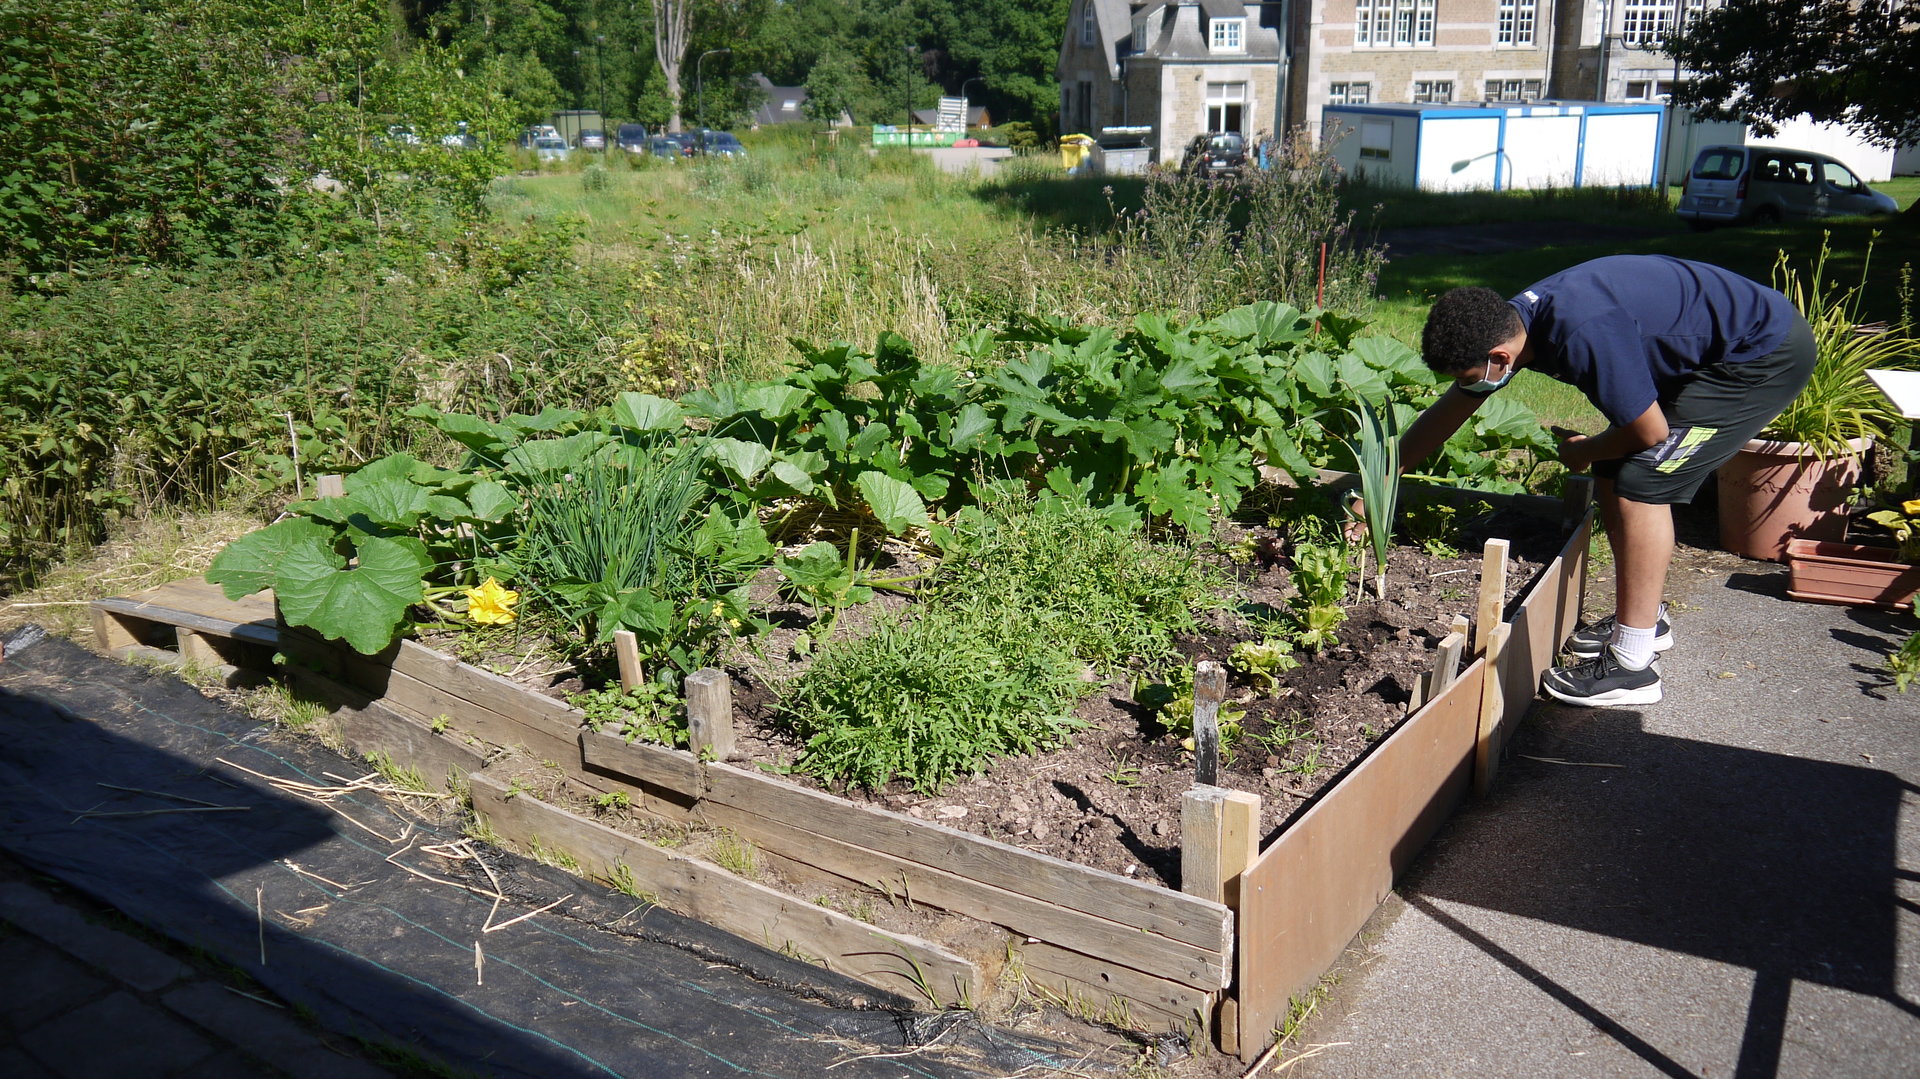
(964, 101)
(700, 92)
(600, 72)
(906, 93)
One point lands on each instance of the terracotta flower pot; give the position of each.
(1771, 492)
(1822, 572)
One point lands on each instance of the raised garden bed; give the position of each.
(1267, 899)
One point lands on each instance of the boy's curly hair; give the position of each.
(1463, 325)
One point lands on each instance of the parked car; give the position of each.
(718, 143)
(1735, 185)
(550, 148)
(631, 137)
(592, 138)
(460, 139)
(1216, 153)
(666, 147)
(537, 131)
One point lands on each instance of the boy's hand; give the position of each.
(1355, 529)
(1571, 453)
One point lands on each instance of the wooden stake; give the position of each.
(330, 487)
(626, 646)
(1446, 664)
(710, 714)
(1486, 751)
(1209, 688)
(1493, 592)
(1576, 497)
(1219, 839)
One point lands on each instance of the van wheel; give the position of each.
(1767, 215)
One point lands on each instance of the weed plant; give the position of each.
(934, 698)
(1101, 589)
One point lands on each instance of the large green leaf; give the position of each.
(645, 412)
(547, 456)
(489, 501)
(486, 439)
(249, 563)
(363, 605)
(742, 461)
(773, 401)
(895, 503)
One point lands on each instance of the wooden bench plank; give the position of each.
(745, 907)
(253, 632)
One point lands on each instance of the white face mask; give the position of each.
(1488, 385)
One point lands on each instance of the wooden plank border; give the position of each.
(1315, 886)
(699, 889)
(1157, 931)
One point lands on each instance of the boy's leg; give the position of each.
(1641, 534)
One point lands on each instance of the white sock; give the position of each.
(1632, 647)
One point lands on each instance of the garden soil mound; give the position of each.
(1111, 801)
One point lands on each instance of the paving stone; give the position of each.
(120, 956)
(38, 982)
(265, 1031)
(15, 1064)
(117, 1037)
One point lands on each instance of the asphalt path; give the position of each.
(1726, 883)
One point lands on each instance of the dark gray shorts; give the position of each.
(1709, 417)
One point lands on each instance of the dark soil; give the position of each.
(1112, 800)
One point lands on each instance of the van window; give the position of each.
(1837, 175)
(1719, 164)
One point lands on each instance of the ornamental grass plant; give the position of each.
(1840, 404)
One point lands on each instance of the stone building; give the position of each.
(1189, 66)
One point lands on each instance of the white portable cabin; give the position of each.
(1498, 144)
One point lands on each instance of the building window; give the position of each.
(1516, 22)
(1349, 93)
(1229, 35)
(1376, 140)
(1227, 106)
(1432, 91)
(1644, 23)
(1389, 23)
(1086, 23)
(1513, 89)
(1139, 35)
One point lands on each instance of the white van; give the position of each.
(1735, 185)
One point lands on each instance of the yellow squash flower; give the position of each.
(491, 604)
(1912, 507)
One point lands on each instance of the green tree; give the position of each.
(1839, 61)
(832, 87)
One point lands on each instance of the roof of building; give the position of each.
(785, 104)
(1179, 30)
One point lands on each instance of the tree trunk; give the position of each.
(670, 48)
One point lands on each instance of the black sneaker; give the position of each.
(1587, 643)
(1602, 682)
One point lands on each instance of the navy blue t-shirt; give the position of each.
(1628, 330)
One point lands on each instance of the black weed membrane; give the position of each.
(287, 862)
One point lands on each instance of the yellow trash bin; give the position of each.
(1074, 150)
